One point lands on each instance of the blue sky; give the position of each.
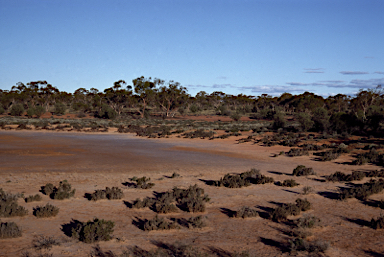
(249, 47)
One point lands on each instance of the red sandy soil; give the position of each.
(32, 159)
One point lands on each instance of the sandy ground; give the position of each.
(31, 159)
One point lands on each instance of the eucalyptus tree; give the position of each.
(170, 98)
(145, 89)
(117, 96)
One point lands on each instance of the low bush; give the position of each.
(281, 213)
(340, 176)
(146, 202)
(246, 212)
(297, 152)
(17, 110)
(9, 230)
(244, 179)
(287, 183)
(197, 222)
(377, 223)
(300, 244)
(45, 211)
(307, 190)
(108, 193)
(200, 133)
(93, 231)
(142, 183)
(44, 242)
(307, 221)
(159, 223)
(9, 206)
(373, 156)
(301, 170)
(33, 198)
(362, 191)
(63, 191)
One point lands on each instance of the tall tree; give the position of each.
(171, 97)
(145, 88)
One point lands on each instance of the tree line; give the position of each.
(147, 96)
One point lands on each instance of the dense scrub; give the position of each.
(191, 199)
(362, 191)
(142, 183)
(244, 179)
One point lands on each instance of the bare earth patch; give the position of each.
(31, 159)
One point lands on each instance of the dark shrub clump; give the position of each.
(246, 212)
(108, 193)
(33, 198)
(301, 170)
(244, 179)
(93, 231)
(340, 176)
(9, 206)
(45, 211)
(9, 230)
(287, 183)
(158, 223)
(63, 191)
(281, 213)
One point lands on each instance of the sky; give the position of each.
(234, 46)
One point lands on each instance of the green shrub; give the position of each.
(246, 212)
(17, 110)
(158, 223)
(30, 112)
(33, 198)
(47, 189)
(9, 230)
(39, 110)
(9, 206)
(146, 202)
(301, 170)
(1, 110)
(60, 108)
(297, 152)
(305, 121)
(304, 205)
(93, 231)
(45, 211)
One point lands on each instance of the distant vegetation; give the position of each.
(147, 97)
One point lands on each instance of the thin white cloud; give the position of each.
(272, 89)
(354, 72)
(221, 85)
(316, 70)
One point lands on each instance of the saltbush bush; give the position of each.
(159, 223)
(340, 176)
(45, 211)
(93, 231)
(362, 191)
(246, 212)
(9, 230)
(287, 183)
(33, 198)
(63, 191)
(108, 193)
(282, 212)
(301, 170)
(9, 206)
(244, 179)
